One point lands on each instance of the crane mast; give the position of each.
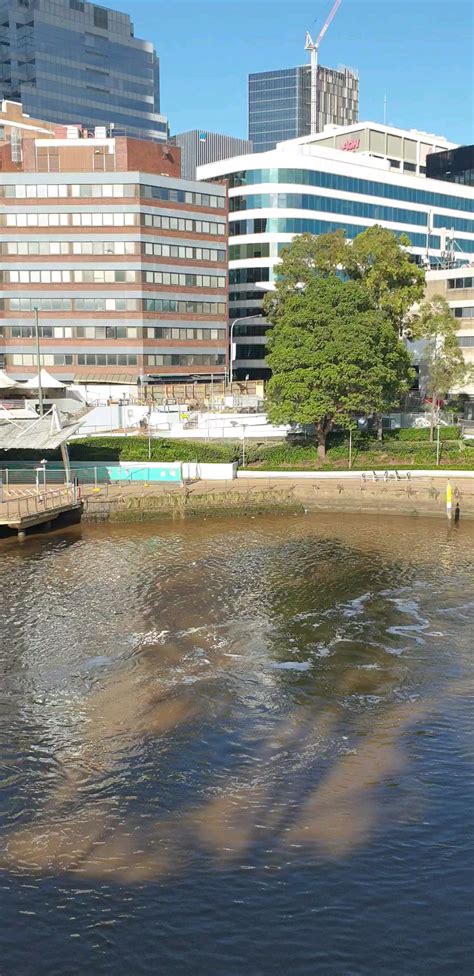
(313, 48)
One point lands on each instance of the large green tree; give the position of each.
(376, 258)
(442, 362)
(334, 356)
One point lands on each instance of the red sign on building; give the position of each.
(350, 145)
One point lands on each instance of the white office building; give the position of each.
(305, 186)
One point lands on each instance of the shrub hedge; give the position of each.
(395, 450)
(136, 449)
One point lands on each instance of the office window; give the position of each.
(101, 18)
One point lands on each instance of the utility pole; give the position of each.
(313, 48)
(38, 357)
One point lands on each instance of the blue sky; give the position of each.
(419, 52)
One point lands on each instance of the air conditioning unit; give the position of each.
(100, 132)
(72, 132)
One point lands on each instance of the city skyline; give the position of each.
(398, 48)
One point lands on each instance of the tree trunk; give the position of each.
(433, 417)
(379, 427)
(321, 435)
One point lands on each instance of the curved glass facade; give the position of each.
(350, 184)
(302, 225)
(309, 201)
(277, 215)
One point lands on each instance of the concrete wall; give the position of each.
(422, 497)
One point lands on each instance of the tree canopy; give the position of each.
(443, 365)
(334, 356)
(376, 257)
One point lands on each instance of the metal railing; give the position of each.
(28, 504)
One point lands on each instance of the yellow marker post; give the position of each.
(449, 500)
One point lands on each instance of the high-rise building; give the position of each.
(303, 186)
(280, 103)
(199, 146)
(125, 261)
(73, 61)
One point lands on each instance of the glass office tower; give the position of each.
(70, 61)
(280, 103)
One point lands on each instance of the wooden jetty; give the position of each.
(26, 509)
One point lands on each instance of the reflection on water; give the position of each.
(287, 697)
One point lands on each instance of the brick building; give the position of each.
(125, 261)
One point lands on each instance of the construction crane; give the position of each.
(313, 46)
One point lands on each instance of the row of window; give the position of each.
(75, 332)
(52, 190)
(464, 313)
(183, 223)
(301, 225)
(31, 248)
(203, 359)
(109, 219)
(114, 305)
(455, 223)
(353, 208)
(102, 276)
(243, 276)
(183, 251)
(41, 190)
(63, 276)
(181, 279)
(26, 359)
(67, 304)
(255, 351)
(182, 196)
(461, 282)
(245, 296)
(249, 330)
(350, 184)
(173, 305)
(112, 332)
(111, 359)
(466, 340)
(106, 359)
(238, 312)
(238, 252)
(172, 333)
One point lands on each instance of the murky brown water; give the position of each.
(238, 746)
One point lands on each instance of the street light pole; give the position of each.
(243, 318)
(38, 357)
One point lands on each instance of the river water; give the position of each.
(238, 748)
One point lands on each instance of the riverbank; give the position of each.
(424, 496)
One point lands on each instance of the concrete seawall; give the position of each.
(424, 496)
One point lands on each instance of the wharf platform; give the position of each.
(26, 508)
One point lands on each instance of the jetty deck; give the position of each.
(25, 508)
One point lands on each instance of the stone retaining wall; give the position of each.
(420, 497)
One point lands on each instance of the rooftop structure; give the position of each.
(403, 150)
(454, 165)
(199, 146)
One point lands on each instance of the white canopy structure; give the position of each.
(6, 382)
(48, 382)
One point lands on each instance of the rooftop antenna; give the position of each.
(313, 47)
(385, 109)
